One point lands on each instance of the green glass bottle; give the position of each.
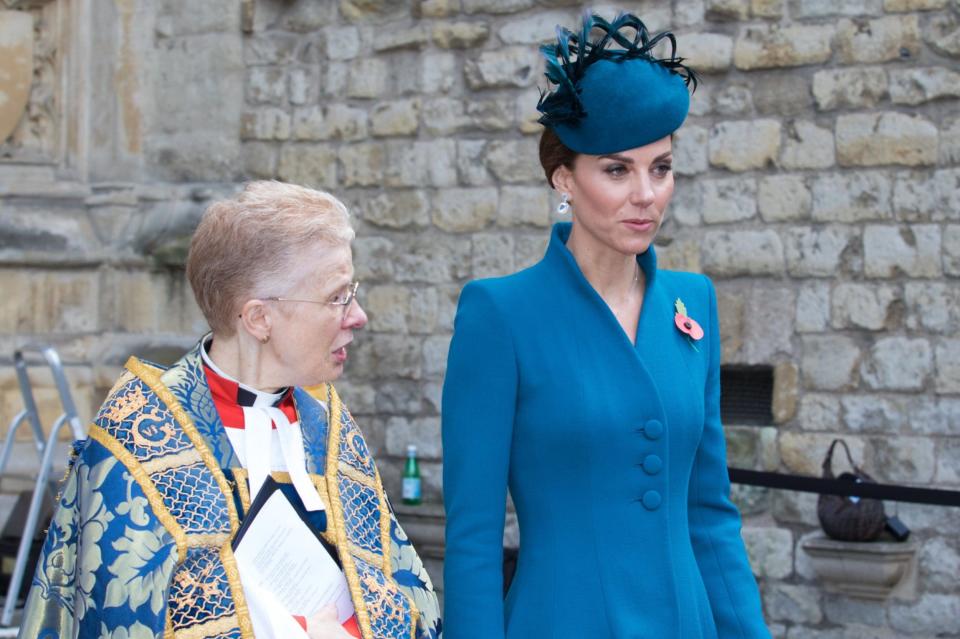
(411, 477)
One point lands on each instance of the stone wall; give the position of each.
(818, 184)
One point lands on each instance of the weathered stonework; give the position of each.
(817, 181)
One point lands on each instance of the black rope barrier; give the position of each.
(801, 483)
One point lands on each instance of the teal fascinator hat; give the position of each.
(612, 94)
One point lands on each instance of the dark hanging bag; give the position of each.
(849, 518)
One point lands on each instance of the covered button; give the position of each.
(651, 500)
(653, 429)
(652, 464)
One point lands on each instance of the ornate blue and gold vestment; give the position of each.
(140, 544)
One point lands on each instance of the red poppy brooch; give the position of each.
(687, 325)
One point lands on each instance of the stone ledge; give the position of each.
(866, 570)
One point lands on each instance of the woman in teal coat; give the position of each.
(589, 384)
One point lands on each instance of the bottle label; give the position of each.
(411, 488)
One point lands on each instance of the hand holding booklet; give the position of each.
(286, 569)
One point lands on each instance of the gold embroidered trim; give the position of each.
(239, 599)
(207, 540)
(151, 378)
(336, 513)
(183, 458)
(149, 490)
(212, 628)
(168, 627)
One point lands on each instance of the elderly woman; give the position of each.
(589, 384)
(141, 545)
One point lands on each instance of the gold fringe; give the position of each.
(149, 490)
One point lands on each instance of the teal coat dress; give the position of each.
(614, 456)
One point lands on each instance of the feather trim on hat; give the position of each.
(567, 61)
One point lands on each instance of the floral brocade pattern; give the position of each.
(200, 590)
(390, 610)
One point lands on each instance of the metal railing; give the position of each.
(45, 449)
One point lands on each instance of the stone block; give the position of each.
(934, 416)
(686, 207)
(786, 392)
(397, 209)
(807, 147)
(688, 13)
(265, 124)
(460, 35)
(780, 95)
(529, 250)
(438, 73)
(259, 160)
(858, 87)
(873, 139)
(830, 362)
(303, 17)
(880, 40)
(471, 168)
(940, 559)
(50, 301)
(443, 116)
(396, 117)
(950, 141)
(892, 251)
(803, 453)
(437, 8)
(852, 197)
(819, 412)
(524, 206)
(826, 9)
(793, 603)
(496, 6)
(734, 100)
(374, 10)
(464, 210)
(916, 86)
(896, 6)
(424, 432)
(866, 306)
(767, 333)
(269, 48)
(732, 253)
(310, 165)
(540, 27)
(368, 78)
(346, 122)
(492, 254)
(266, 85)
(303, 86)
(948, 462)
(514, 161)
(909, 460)
(847, 610)
(708, 52)
(435, 349)
(921, 196)
(948, 366)
(942, 33)
(813, 307)
(509, 67)
(414, 37)
(767, 8)
(680, 255)
(726, 10)
(373, 258)
(377, 352)
(770, 551)
(690, 150)
(933, 614)
(432, 260)
(816, 251)
(951, 250)
(362, 164)
(729, 200)
(387, 308)
(772, 46)
(730, 313)
(421, 163)
(490, 115)
(745, 145)
(932, 306)
(310, 123)
(784, 198)
(897, 363)
(336, 76)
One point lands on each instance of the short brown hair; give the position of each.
(554, 154)
(250, 242)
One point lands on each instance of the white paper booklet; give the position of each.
(279, 553)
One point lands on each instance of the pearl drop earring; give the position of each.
(564, 207)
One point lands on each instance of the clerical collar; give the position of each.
(246, 395)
